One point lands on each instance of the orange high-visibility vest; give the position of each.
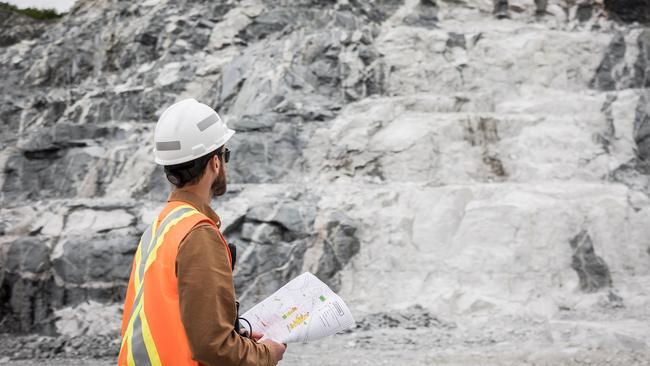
(152, 331)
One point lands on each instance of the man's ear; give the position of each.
(214, 161)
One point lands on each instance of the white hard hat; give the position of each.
(188, 130)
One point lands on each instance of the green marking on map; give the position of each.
(322, 298)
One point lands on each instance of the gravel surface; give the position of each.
(416, 337)
(414, 348)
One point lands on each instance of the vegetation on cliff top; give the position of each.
(40, 14)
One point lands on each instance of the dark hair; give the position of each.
(189, 172)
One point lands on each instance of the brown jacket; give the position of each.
(207, 296)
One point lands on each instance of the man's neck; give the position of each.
(197, 190)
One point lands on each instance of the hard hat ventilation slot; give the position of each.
(168, 145)
(207, 122)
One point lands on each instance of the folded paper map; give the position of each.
(303, 310)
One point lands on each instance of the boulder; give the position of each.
(88, 319)
(26, 292)
(629, 10)
(88, 260)
(591, 269)
(339, 245)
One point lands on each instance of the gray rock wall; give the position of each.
(80, 106)
(406, 152)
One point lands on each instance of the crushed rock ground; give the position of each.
(412, 337)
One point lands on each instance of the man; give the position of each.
(501, 8)
(180, 304)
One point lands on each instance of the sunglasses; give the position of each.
(225, 153)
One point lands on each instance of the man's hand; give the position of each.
(256, 336)
(276, 350)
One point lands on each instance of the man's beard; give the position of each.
(218, 187)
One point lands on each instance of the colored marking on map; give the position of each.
(299, 320)
(322, 298)
(288, 313)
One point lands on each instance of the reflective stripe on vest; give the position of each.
(152, 295)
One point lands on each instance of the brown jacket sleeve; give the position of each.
(207, 303)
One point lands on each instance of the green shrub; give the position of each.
(40, 14)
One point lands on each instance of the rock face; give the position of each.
(592, 269)
(62, 255)
(15, 27)
(629, 10)
(407, 153)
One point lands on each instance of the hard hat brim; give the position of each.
(206, 150)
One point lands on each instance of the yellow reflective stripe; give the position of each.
(128, 335)
(148, 341)
(138, 280)
(136, 260)
(129, 358)
(154, 251)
